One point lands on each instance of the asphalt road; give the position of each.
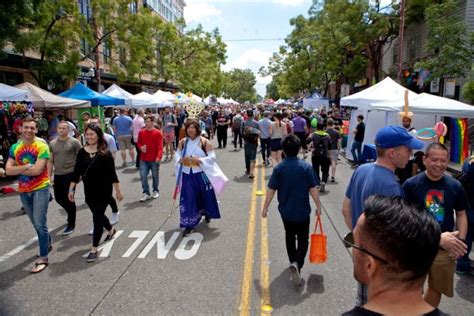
(235, 265)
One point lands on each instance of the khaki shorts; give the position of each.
(125, 142)
(333, 154)
(441, 274)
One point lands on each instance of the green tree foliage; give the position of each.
(44, 32)
(272, 91)
(135, 45)
(239, 85)
(452, 51)
(337, 42)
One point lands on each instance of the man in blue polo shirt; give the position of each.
(394, 147)
(295, 180)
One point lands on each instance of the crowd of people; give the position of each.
(408, 220)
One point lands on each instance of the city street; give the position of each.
(237, 264)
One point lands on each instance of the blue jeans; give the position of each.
(36, 207)
(145, 167)
(356, 146)
(250, 151)
(265, 148)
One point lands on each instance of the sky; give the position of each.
(247, 20)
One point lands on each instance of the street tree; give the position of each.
(239, 85)
(450, 46)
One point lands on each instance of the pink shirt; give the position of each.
(138, 124)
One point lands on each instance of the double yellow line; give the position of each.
(246, 292)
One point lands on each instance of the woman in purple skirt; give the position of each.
(195, 157)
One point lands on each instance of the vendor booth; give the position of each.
(129, 99)
(43, 99)
(97, 100)
(381, 104)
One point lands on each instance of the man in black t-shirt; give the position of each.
(358, 140)
(441, 195)
(336, 140)
(393, 247)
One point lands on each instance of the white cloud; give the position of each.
(251, 58)
(197, 12)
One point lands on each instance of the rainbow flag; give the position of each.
(459, 140)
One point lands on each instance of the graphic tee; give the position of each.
(29, 154)
(439, 198)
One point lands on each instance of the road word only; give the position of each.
(187, 248)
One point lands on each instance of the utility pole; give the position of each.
(400, 39)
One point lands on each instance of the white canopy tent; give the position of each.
(381, 104)
(117, 92)
(315, 101)
(152, 100)
(425, 103)
(9, 93)
(42, 99)
(384, 91)
(164, 95)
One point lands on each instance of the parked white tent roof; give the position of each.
(152, 100)
(384, 91)
(118, 92)
(44, 99)
(425, 103)
(9, 93)
(165, 95)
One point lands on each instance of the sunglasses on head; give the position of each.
(349, 242)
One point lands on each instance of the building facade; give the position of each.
(14, 68)
(414, 50)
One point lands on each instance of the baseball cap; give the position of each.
(394, 136)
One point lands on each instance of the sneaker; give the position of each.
(68, 231)
(155, 195)
(91, 232)
(322, 189)
(145, 197)
(124, 164)
(114, 218)
(207, 219)
(332, 179)
(295, 272)
(91, 257)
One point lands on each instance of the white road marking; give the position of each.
(107, 247)
(140, 235)
(162, 248)
(185, 254)
(15, 251)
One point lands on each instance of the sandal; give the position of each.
(109, 236)
(39, 267)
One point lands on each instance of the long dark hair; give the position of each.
(278, 116)
(102, 147)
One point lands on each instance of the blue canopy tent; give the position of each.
(97, 100)
(81, 92)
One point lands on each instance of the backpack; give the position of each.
(320, 148)
(236, 123)
(248, 135)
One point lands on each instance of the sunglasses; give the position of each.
(349, 242)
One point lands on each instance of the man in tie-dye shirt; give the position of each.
(28, 159)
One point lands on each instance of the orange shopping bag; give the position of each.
(318, 252)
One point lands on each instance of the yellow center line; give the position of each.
(244, 306)
(266, 307)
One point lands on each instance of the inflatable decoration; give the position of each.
(405, 112)
(194, 109)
